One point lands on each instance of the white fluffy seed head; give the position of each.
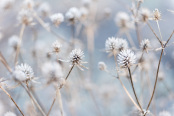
(73, 14)
(6, 4)
(28, 4)
(25, 17)
(122, 20)
(126, 58)
(9, 114)
(56, 46)
(23, 72)
(57, 18)
(156, 15)
(164, 113)
(144, 14)
(76, 56)
(102, 66)
(83, 12)
(52, 70)
(115, 45)
(13, 41)
(145, 45)
(44, 9)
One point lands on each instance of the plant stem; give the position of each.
(155, 80)
(12, 100)
(33, 99)
(132, 84)
(60, 102)
(69, 72)
(19, 44)
(128, 94)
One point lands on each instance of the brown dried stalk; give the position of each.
(12, 100)
(19, 44)
(132, 84)
(128, 94)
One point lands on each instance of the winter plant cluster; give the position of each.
(47, 72)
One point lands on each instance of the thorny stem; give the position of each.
(60, 102)
(128, 94)
(12, 100)
(33, 99)
(132, 84)
(69, 71)
(155, 80)
(19, 44)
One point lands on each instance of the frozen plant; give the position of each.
(25, 17)
(57, 18)
(73, 14)
(126, 58)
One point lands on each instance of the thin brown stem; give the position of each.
(12, 100)
(132, 84)
(19, 44)
(33, 99)
(60, 102)
(154, 33)
(155, 80)
(169, 39)
(69, 71)
(128, 94)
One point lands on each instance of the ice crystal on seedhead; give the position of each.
(164, 113)
(126, 58)
(57, 18)
(115, 45)
(25, 17)
(23, 72)
(145, 45)
(56, 47)
(75, 58)
(156, 15)
(73, 14)
(144, 14)
(10, 114)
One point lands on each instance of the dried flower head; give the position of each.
(28, 4)
(126, 58)
(156, 15)
(13, 41)
(145, 45)
(56, 47)
(115, 45)
(23, 72)
(102, 66)
(6, 4)
(144, 14)
(44, 9)
(122, 20)
(164, 113)
(25, 17)
(57, 18)
(83, 12)
(10, 114)
(76, 57)
(73, 14)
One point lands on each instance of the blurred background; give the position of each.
(90, 92)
